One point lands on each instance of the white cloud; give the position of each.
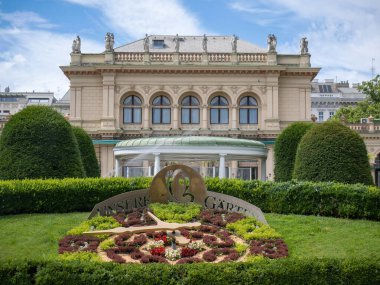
(30, 58)
(136, 18)
(21, 19)
(343, 34)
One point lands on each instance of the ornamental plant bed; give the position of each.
(219, 237)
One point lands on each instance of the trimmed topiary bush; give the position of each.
(87, 151)
(285, 149)
(38, 142)
(332, 152)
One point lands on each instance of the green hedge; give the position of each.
(61, 196)
(285, 149)
(283, 271)
(304, 198)
(332, 152)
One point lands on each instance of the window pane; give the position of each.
(194, 101)
(127, 115)
(214, 116)
(166, 116)
(252, 101)
(243, 116)
(244, 101)
(185, 116)
(165, 101)
(253, 116)
(223, 101)
(157, 101)
(156, 115)
(136, 101)
(137, 115)
(214, 102)
(195, 116)
(128, 100)
(223, 116)
(186, 101)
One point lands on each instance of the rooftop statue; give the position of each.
(234, 43)
(109, 42)
(303, 46)
(76, 45)
(204, 43)
(272, 43)
(146, 43)
(176, 40)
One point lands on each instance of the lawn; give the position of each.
(35, 236)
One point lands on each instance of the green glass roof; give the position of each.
(190, 141)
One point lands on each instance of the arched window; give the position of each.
(161, 113)
(248, 110)
(219, 110)
(132, 113)
(190, 110)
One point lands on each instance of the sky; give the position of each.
(36, 35)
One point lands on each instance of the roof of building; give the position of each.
(190, 141)
(215, 44)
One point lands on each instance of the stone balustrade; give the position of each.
(136, 58)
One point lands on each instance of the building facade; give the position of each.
(328, 96)
(188, 86)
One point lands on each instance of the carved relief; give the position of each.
(204, 89)
(234, 89)
(175, 89)
(263, 89)
(146, 89)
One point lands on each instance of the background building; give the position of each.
(13, 102)
(328, 96)
(188, 86)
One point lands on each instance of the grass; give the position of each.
(36, 236)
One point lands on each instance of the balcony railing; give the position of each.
(138, 57)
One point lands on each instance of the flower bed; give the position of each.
(220, 237)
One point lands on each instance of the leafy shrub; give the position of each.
(38, 142)
(61, 196)
(332, 152)
(82, 256)
(240, 248)
(280, 271)
(107, 244)
(249, 228)
(97, 223)
(303, 198)
(285, 149)
(87, 152)
(175, 212)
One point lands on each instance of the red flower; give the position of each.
(160, 251)
(188, 252)
(163, 238)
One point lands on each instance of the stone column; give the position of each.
(204, 117)
(157, 163)
(108, 112)
(76, 105)
(234, 169)
(117, 167)
(175, 117)
(146, 168)
(263, 169)
(222, 165)
(234, 117)
(146, 117)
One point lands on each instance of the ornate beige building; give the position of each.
(188, 86)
